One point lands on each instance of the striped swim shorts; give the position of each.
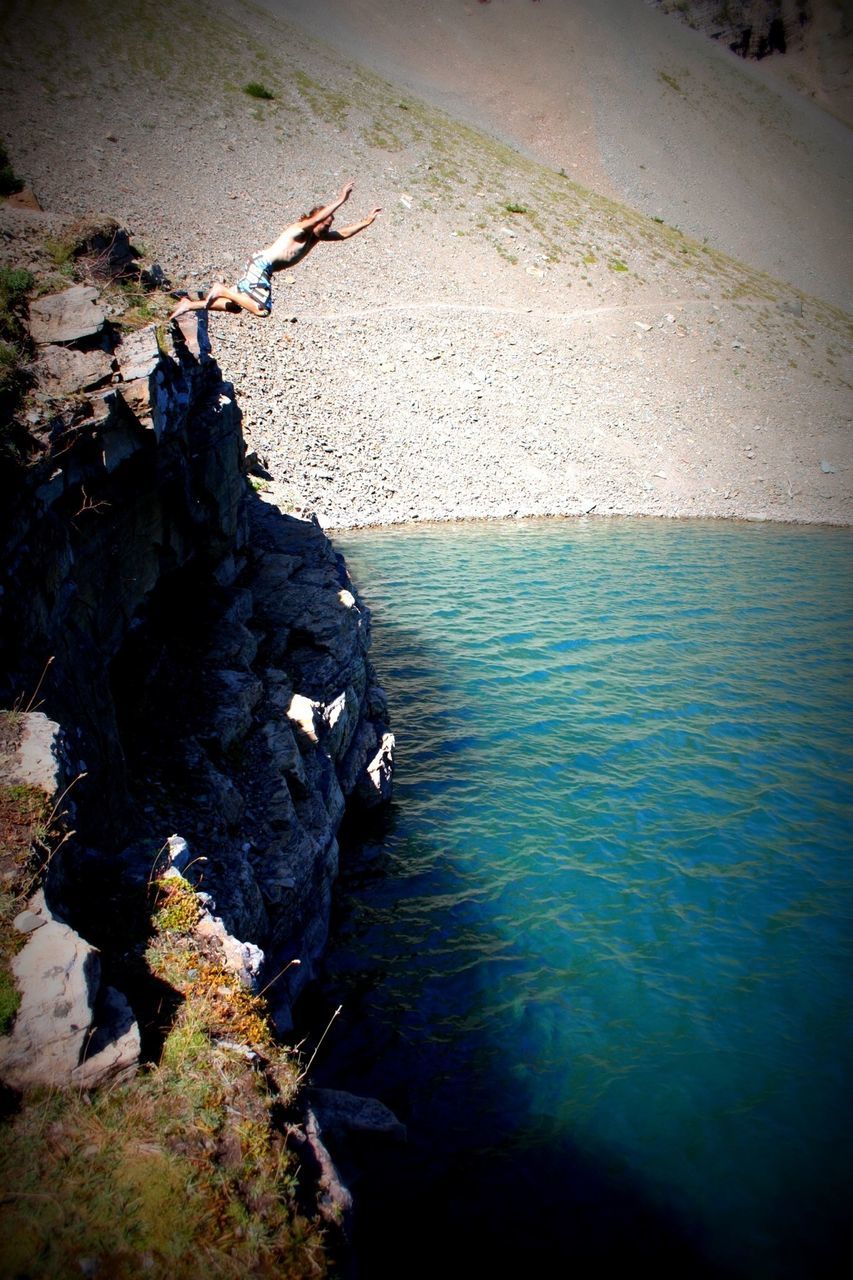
(256, 281)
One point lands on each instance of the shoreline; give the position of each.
(438, 524)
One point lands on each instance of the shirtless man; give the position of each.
(253, 293)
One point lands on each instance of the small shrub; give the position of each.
(256, 90)
(13, 374)
(9, 182)
(15, 284)
(14, 368)
(178, 909)
(671, 81)
(139, 306)
(9, 1000)
(511, 207)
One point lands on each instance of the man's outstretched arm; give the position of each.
(346, 232)
(328, 209)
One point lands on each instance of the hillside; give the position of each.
(503, 340)
(652, 110)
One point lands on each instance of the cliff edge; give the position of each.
(202, 657)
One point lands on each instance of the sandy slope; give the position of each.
(633, 104)
(500, 342)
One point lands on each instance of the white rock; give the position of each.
(57, 974)
(301, 712)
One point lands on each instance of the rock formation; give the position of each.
(204, 655)
(754, 28)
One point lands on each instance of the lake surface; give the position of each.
(598, 955)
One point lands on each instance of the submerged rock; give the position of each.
(341, 1113)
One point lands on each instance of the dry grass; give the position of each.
(24, 820)
(185, 1171)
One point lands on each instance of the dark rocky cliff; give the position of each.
(204, 656)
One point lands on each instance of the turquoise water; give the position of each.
(598, 957)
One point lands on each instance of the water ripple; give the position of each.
(617, 900)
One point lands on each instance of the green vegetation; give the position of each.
(178, 910)
(9, 944)
(14, 369)
(24, 822)
(186, 1169)
(379, 134)
(82, 252)
(14, 378)
(14, 287)
(9, 182)
(61, 252)
(256, 90)
(190, 1168)
(670, 80)
(139, 305)
(327, 104)
(512, 207)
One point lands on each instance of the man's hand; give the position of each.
(346, 191)
(373, 213)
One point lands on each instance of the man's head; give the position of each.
(319, 227)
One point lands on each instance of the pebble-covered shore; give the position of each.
(477, 352)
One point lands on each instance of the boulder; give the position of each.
(68, 316)
(67, 1031)
(243, 959)
(57, 974)
(234, 695)
(341, 1113)
(63, 371)
(111, 1053)
(39, 760)
(138, 354)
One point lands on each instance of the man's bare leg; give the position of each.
(221, 298)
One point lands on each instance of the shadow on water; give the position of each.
(595, 961)
(481, 1186)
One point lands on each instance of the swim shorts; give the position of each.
(256, 281)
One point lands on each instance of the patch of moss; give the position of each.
(257, 90)
(10, 943)
(178, 909)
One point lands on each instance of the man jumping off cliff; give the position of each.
(253, 293)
